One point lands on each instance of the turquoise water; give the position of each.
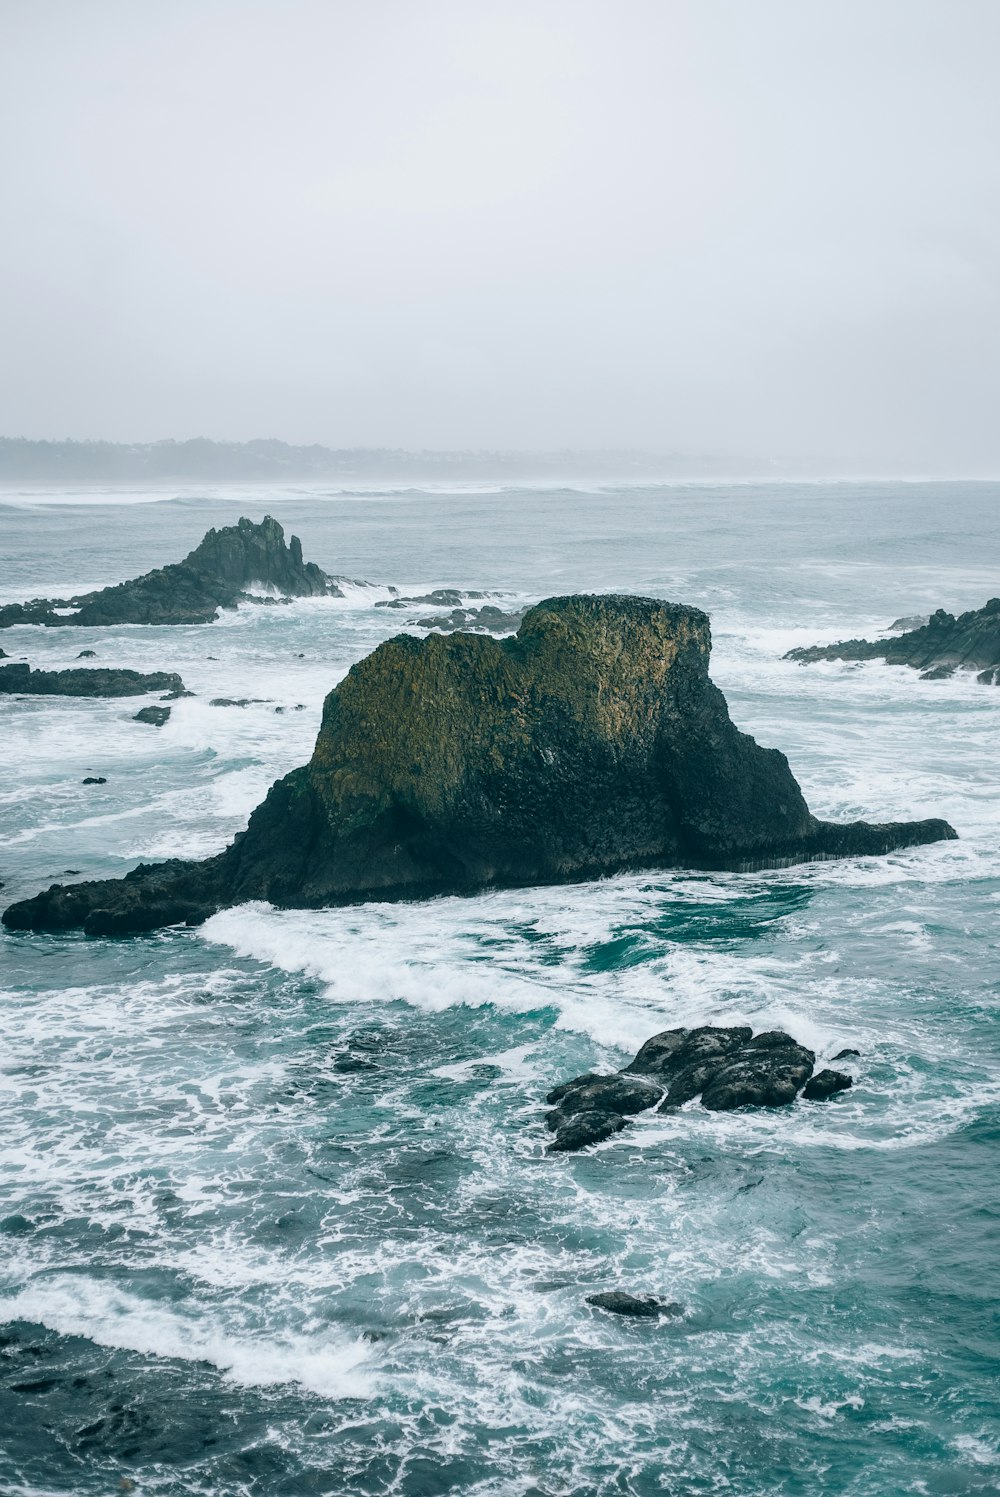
(275, 1212)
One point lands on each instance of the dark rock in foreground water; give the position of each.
(95, 779)
(155, 716)
(584, 1128)
(86, 681)
(641, 1307)
(592, 742)
(826, 1084)
(938, 647)
(728, 1068)
(216, 574)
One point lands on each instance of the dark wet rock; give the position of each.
(95, 779)
(989, 678)
(154, 716)
(583, 1129)
(845, 1054)
(733, 1068)
(937, 648)
(4, 655)
(87, 655)
(488, 619)
(826, 1084)
(591, 743)
(441, 597)
(909, 622)
(152, 895)
(656, 1055)
(86, 681)
(618, 1093)
(727, 1067)
(216, 574)
(641, 1307)
(759, 1076)
(237, 701)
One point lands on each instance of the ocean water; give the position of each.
(275, 1211)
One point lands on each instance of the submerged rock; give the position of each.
(937, 647)
(641, 1307)
(728, 1068)
(86, 681)
(95, 779)
(592, 742)
(216, 574)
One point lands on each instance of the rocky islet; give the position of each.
(937, 647)
(222, 571)
(87, 681)
(592, 742)
(728, 1068)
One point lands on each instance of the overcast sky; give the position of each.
(768, 227)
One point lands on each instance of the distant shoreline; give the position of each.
(201, 460)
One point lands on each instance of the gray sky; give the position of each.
(742, 226)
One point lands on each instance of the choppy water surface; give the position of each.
(275, 1213)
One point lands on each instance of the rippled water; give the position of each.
(275, 1212)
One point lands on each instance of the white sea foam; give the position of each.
(74, 1305)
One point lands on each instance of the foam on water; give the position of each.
(76, 1306)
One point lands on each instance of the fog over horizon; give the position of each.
(763, 229)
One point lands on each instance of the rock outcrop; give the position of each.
(938, 647)
(487, 620)
(87, 681)
(592, 742)
(216, 574)
(727, 1068)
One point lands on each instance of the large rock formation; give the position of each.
(591, 742)
(939, 647)
(87, 681)
(216, 574)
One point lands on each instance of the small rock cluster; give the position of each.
(727, 1068)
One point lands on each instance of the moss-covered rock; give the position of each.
(591, 742)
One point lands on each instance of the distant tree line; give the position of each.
(22, 460)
